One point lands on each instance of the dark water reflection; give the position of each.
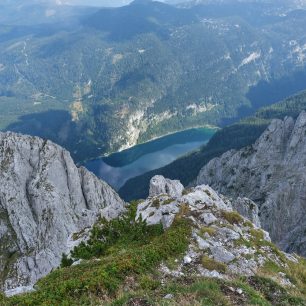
(161, 156)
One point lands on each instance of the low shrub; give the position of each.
(66, 261)
(210, 264)
(90, 282)
(232, 217)
(206, 229)
(107, 235)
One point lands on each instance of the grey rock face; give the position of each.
(272, 174)
(164, 203)
(44, 199)
(248, 209)
(220, 254)
(208, 218)
(160, 185)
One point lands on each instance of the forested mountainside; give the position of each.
(235, 136)
(108, 80)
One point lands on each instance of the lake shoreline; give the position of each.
(105, 155)
(121, 166)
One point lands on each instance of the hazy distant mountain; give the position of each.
(68, 2)
(291, 3)
(32, 12)
(104, 3)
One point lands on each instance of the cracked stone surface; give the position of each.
(44, 199)
(230, 245)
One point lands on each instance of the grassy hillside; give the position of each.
(122, 269)
(235, 136)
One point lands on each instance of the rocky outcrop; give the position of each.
(44, 200)
(160, 185)
(272, 174)
(162, 207)
(224, 244)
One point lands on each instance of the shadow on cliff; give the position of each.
(53, 124)
(57, 126)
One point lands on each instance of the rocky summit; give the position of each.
(44, 199)
(271, 173)
(177, 247)
(223, 242)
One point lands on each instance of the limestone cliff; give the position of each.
(44, 199)
(272, 173)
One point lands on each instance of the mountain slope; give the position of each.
(44, 199)
(205, 253)
(235, 136)
(271, 172)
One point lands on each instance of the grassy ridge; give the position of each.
(127, 248)
(121, 263)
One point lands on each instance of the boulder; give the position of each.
(160, 185)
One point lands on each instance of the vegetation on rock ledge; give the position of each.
(120, 267)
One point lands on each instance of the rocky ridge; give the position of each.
(44, 199)
(224, 244)
(271, 173)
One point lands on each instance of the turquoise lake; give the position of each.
(117, 168)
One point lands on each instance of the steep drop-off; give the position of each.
(235, 136)
(44, 199)
(272, 173)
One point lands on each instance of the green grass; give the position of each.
(232, 217)
(257, 234)
(254, 297)
(96, 283)
(169, 201)
(273, 292)
(208, 292)
(207, 230)
(210, 264)
(95, 280)
(204, 291)
(271, 267)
